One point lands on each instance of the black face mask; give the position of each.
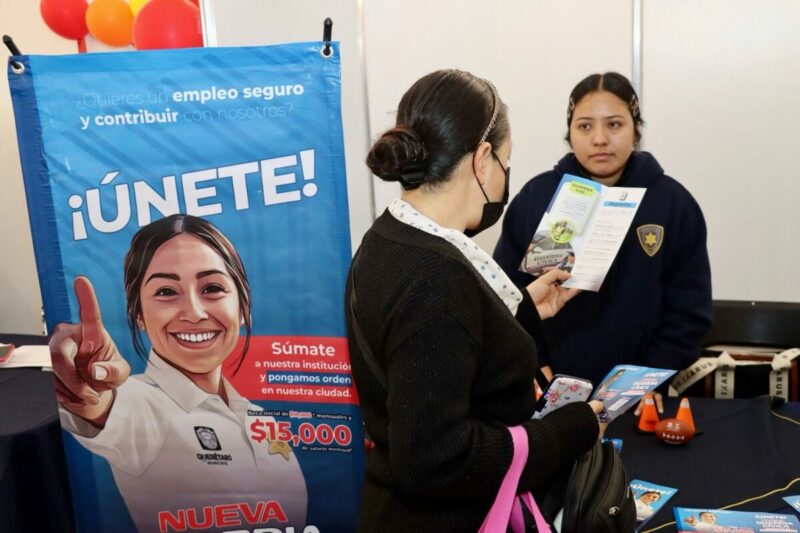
(492, 211)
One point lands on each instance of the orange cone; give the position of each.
(649, 417)
(685, 413)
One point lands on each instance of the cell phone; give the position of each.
(5, 352)
(562, 390)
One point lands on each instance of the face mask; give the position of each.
(492, 211)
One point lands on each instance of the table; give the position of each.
(34, 487)
(746, 449)
(747, 454)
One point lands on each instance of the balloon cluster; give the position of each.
(147, 24)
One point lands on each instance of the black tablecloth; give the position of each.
(747, 449)
(34, 488)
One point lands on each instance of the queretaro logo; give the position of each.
(208, 439)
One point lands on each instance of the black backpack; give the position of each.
(598, 495)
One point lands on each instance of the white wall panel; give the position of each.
(534, 51)
(721, 84)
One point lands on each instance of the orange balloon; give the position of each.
(110, 22)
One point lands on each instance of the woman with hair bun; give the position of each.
(452, 340)
(655, 304)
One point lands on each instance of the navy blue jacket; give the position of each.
(650, 310)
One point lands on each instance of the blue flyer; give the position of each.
(689, 520)
(649, 499)
(794, 501)
(625, 385)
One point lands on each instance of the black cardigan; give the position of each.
(460, 367)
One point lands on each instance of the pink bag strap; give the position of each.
(506, 508)
(518, 522)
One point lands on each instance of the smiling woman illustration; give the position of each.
(175, 436)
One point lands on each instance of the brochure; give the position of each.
(625, 385)
(794, 501)
(582, 230)
(649, 499)
(688, 520)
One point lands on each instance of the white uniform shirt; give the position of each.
(174, 447)
(705, 526)
(643, 510)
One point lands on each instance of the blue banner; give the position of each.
(190, 224)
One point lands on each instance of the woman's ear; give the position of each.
(480, 161)
(140, 322)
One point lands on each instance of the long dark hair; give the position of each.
(442, 117)
(144, 246)
(616, 84)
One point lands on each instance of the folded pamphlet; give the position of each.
(582, 231)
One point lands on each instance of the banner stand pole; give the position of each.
(9, 42)
(327, 31)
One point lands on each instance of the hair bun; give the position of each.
(399, 155)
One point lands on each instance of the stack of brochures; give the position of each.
(689, 520)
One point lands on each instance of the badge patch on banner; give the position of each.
(651, 236)
(175, 198)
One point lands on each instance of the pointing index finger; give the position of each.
(87, 301)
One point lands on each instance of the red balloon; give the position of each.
(67, 18)
(167, 24)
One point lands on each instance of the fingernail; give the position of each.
(99, 373)
(69, 348)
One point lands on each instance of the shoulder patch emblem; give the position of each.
(280, 448)
(651, 236)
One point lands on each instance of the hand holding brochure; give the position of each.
(649, 499)
(625, 385)
(690, 520)
(582, 230)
